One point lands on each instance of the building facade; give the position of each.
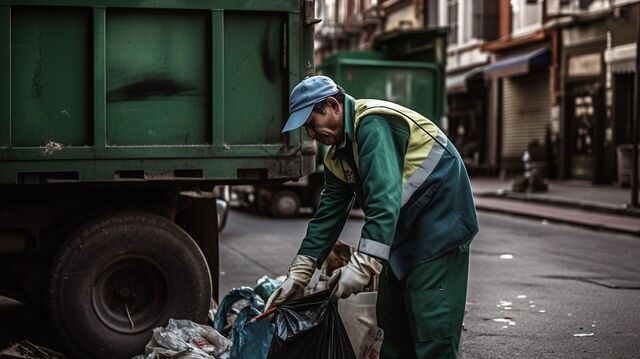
(471, 24)
(520, 80)
(620, 62)
(551, 77)
(597, 93)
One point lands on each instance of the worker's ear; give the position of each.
(333, 104)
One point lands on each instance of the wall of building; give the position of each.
(403, 17)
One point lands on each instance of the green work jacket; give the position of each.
(409, 179)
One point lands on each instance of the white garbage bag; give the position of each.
(185, 339)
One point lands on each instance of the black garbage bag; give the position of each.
(311, 328)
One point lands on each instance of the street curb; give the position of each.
(542, 215)
(622, 210)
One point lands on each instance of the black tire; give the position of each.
(284, 204)
(127, 261)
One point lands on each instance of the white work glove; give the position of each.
(298, 278)
(353, 277)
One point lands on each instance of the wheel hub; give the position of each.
(286, 205)
(130, 294)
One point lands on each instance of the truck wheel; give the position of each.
(121, 275)
(284, 204)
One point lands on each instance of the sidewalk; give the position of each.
(573, 202)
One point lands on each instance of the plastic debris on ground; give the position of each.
(250, 339)
(310, 324)
(213, 308)
(27, 350)
(186, 339)
(266, 286)
(310, 327)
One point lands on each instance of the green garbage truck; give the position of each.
(117, 119)
(405, 66)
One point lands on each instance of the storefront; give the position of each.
(466, 105)
(587, 131)
(620, 58)
(524, 102)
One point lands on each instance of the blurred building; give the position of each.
(347, 25)
(619, 62)
(596, 87)
(471, 24)
(554, 77)
(520, 83)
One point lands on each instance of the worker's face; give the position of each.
(327, 127)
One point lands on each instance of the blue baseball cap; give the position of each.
(304, 96)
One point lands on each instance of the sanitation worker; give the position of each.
(419, 216)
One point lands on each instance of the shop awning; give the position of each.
(622, 58)
(519, 64)
(458, 83)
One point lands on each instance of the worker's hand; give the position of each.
(353, 277)
(298, 277)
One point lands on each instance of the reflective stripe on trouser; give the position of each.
(422, 314)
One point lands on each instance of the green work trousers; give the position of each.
(422, 314)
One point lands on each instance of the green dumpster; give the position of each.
(406, 67)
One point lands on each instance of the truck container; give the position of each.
(117, 119)
(405, 66)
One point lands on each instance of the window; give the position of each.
(342, 11)
(327, 12)
(485, 19)
(527, 16)
(432, 13)
(467, 22)
(452, 21)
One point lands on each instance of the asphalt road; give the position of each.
(536, 289)
(533, 286)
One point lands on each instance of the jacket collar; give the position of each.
(348, 115)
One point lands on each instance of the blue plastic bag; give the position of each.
(266, 286)
(250, 340)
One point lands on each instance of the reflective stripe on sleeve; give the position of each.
(425, 169)
(373, 248)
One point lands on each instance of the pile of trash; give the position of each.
(233, 335)
(186, 339)
(309, 327)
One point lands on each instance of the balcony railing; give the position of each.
(527, 17)
(576, 7)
